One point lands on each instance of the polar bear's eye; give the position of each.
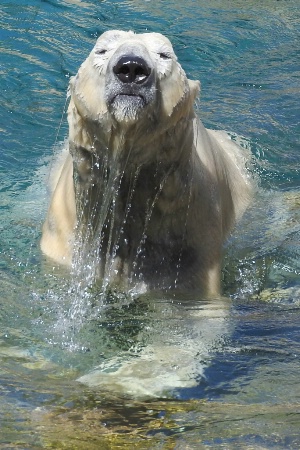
(164, 56)
(101, 51)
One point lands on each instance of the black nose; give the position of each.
(132, 69)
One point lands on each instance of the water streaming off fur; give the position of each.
(96, 268)
(95, 261)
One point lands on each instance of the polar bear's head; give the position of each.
(129, 77)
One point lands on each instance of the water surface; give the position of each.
(243, 351)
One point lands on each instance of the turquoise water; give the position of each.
(246, 353)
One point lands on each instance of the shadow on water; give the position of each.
(68, 369)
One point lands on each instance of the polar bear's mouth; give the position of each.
(133, 98)
(129, 95)
(128, 107)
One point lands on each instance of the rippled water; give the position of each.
(243, 351)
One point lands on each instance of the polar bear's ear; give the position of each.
(178, 90)
(174, 89)
(194, 86)
(71, 85)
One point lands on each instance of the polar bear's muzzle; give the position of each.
(130, 85)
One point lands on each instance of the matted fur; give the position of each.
(145, 186)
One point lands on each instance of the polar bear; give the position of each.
(144, 190)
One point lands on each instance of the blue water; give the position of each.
(247, 56)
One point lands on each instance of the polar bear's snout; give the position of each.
(130, 83)
(132, 69)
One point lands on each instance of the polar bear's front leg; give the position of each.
(58, 230)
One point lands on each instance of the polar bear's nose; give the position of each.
(132, 69)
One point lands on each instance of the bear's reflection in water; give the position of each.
(162, 349)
